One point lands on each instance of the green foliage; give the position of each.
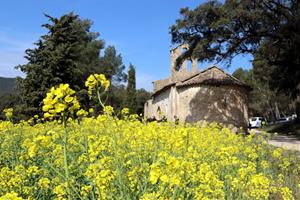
(221, 31)
(289, 128)
(116, 97)
(68, 53)
(270, 30)
(244, 75)
(141, 97)
(111, 65)
(263, 100)
(13, 101)
(110, 158)
(7, 85)
(131, 102)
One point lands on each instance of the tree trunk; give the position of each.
(273, 117)
(298, 109)
(277, 113)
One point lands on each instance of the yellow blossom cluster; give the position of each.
(98, 80)
(112, 158)
(8, 112)
(60, 100)
(82, 113)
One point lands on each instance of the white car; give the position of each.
(255, 122)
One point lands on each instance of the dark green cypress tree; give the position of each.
(68, 53)
(131, 101)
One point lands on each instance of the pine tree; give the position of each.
(111, 65)
(68, 53)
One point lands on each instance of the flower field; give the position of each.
(110, 158)
(70, 153)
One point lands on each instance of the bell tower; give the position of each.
(182, 71)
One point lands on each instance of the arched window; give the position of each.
(178, 68)
(189, 65)
(158, 110)
(183, 50)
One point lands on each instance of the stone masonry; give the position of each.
(191, 96)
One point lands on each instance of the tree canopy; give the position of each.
(111, 65)
(264, 101)
(131, 101)
(68, 53)
(270, 28)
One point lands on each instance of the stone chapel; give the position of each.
(190, 95)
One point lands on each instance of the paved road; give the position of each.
(284, 141)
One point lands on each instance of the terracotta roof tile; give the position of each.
(212, 76)
(209, 76)
(160, 84)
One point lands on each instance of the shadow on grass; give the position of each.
(287, 128)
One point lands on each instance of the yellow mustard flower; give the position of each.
(10, 196)
(97, 80)
(8, 112)
(59, 101)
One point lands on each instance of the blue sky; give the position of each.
(138, 29)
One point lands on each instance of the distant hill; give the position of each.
(7, 85)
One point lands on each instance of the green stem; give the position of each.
(86, 145)
(99, 98)
(66, 156)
